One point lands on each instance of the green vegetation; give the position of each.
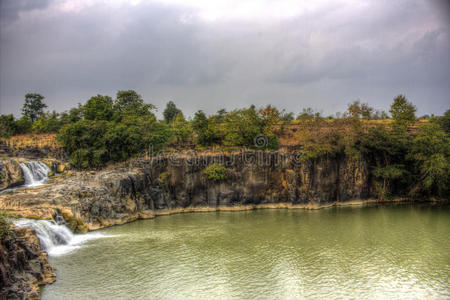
(33, 108)
(163, 177)
(4, 223)
(113, 131)
(171, 112)
(404, 159)
(215, 172)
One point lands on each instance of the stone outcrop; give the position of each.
(23, 266)
(10, 174)
(145, 188)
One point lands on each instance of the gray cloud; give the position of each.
(10, 9)
(322, 58)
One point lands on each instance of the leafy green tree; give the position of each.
(171, 112)
(220, 115)
(241, 126)
(8, 126)
(358, 110)
(268, 117)
(431, 152)
(444, 121)
(403, 112)
(47, 123)
(85, 142)
(75, 114)
(386, 152)
(204, 129)
(98, 108)
(181, 129)
(131, 103)
(33, 107)
(24, 125)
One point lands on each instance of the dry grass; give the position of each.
(42, 140)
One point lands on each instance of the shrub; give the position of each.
(163, 177)
(215, 172)
(4, 223)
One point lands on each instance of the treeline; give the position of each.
(106, 129)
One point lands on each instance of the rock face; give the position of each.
(23, 266)
(10, 174)
(144, 188)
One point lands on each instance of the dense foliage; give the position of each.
(215, 172)
(5, 224)
(402, 163)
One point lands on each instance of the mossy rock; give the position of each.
(75, 224)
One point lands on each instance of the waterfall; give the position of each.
(56, 239)
(35, 173)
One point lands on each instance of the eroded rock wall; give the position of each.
(143, 188)
(23, 266)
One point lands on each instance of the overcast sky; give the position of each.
(207, 54)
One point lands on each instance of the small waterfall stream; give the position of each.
(35, 173)
(56, 239)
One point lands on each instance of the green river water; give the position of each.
(380, 252)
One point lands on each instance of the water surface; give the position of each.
(363, 252)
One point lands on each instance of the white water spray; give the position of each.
(56, 239)
(35, 173)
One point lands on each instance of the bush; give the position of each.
(4, 223)
(163, 177)
(8, 126)
(215, 172)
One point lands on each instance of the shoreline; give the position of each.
(166, 212)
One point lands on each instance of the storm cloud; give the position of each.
(226, 54)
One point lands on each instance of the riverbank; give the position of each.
(143, 189)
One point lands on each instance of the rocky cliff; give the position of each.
(145, 188)
(10, 174)
(23, 266)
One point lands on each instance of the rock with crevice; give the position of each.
(23, 265)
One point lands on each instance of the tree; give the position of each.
(181, 129)
(98, 108)
(431, 152)
(171, 112)
(357, 110)
(386, 155)
(269, 116)
(242, 126)
(24, 125)
(306, 114)
(403, 112)
(48, 122)
(220, 115)
(131, 103)
(75, 114)
(205, 130)
(286, 116)
(33, 107)
(85, 142)
(8, 126)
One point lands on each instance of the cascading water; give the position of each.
(56, 239)
(35, 173)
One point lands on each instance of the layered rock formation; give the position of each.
(144, 188)
(23, 266)
(10, 174)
